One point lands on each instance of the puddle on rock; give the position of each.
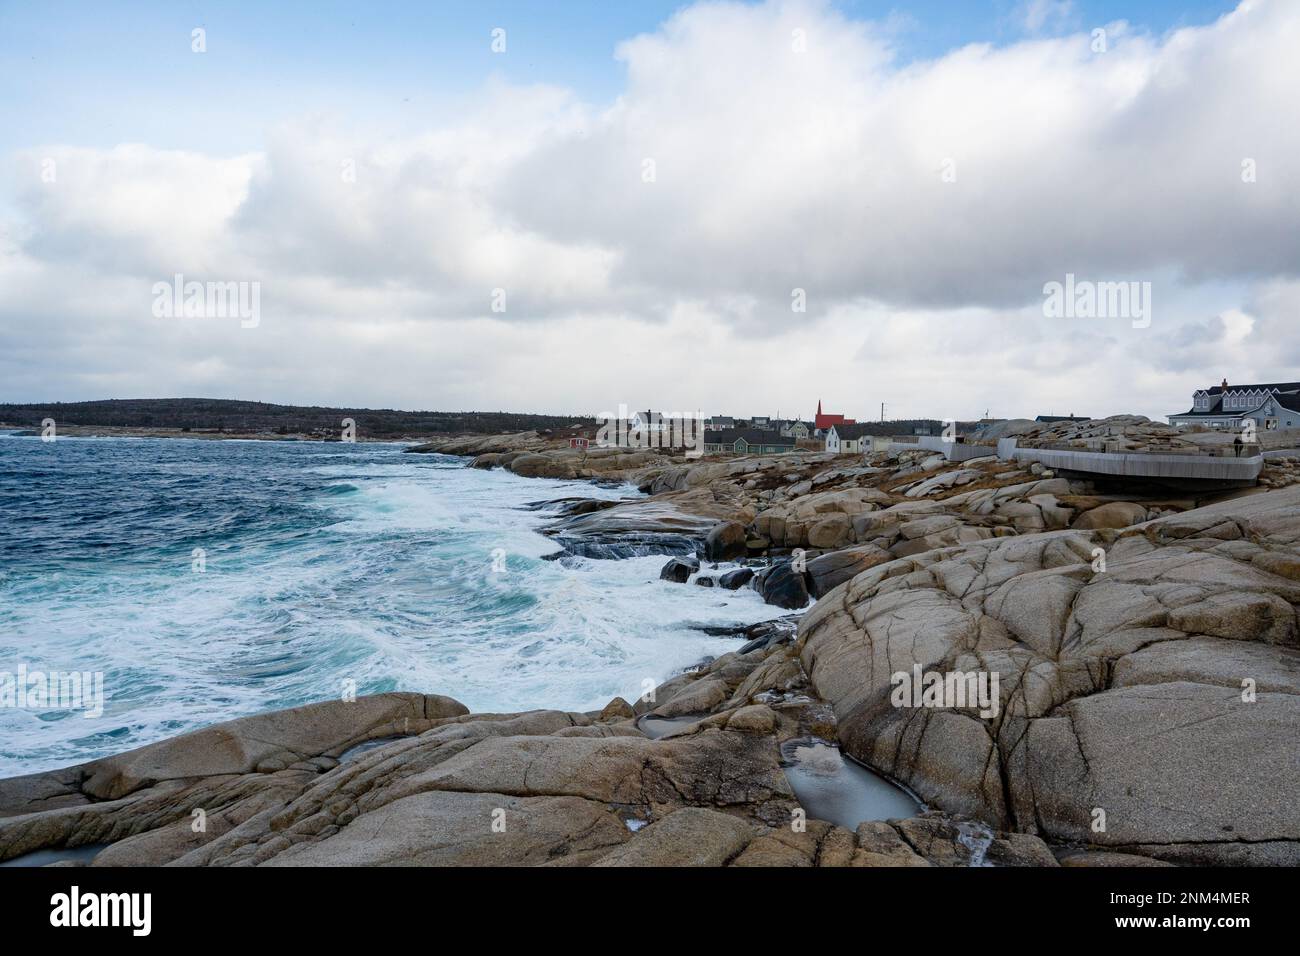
(352, 753)
(80, 855)
(831, 787)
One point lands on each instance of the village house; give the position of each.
(716, 423)
(647, 429)
(844, 439)
(1269, 406)
(649, 422)
(794, 428)
(746, 441)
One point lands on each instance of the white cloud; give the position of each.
(921, 206)
(1035, 15)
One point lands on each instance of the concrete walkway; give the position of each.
(1208, 469)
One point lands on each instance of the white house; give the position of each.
(1270, 406)
(847, 439)
(648, 422)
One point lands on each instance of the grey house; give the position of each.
(746, 441)
(793, 428)
(1271, 405)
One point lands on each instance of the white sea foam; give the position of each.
(394, 588)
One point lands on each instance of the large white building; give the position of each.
(1275, 405)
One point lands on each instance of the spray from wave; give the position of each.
(318, 565)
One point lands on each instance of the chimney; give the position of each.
(1225, 384)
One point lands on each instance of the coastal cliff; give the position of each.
(1146, 645)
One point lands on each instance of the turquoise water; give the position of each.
(323, 563)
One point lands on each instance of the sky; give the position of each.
(734, 208)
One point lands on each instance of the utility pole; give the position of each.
(882, 412)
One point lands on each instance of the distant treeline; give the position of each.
(915, 426)
(258, 417)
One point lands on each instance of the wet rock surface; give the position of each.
(782, 585)
(678, 570)
(733, 580)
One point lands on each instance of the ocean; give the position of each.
(207, 580)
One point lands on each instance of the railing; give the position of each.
(1112, 446)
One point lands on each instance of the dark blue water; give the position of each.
(320, 564)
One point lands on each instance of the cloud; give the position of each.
(1035, 15)
(130, 209)
(754, 150)
(826, 169)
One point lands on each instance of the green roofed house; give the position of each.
(746, 441)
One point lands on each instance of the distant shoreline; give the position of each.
(166, 417)
(204, 434)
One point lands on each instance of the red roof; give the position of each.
(824, 421)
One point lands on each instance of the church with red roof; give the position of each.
(824, 421)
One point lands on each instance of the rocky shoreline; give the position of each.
(1145, 640)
